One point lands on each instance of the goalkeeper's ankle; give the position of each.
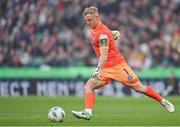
(89, 111)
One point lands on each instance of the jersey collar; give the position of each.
(97, 26)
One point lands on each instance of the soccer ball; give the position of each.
(56, 114)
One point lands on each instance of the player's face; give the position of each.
(92, 20)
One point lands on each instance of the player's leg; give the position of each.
(126, 75)
(89, 99)
(130, 79)
(150, 92)
(147, 90)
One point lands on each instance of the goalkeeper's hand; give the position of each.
(116, 34)
(95, 75)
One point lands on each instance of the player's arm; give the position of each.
(103, 57)
(104, 46)
(102, 60)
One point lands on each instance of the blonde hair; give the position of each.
(90, 10)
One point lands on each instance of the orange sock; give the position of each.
(153, 94)
(89, 100)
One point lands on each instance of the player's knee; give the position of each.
(137, 89)
(85, 87)
(88, 87)
(140, 89)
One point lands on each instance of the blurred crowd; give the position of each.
(34, 33)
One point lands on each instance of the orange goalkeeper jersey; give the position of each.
(101, 37)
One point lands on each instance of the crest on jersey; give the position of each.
(103, 40)
(130, 77)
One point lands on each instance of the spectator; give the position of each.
(44, 32)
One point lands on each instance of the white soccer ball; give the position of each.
(56, 114)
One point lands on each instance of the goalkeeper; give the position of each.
(111, 66)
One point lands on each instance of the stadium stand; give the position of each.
(52, 32)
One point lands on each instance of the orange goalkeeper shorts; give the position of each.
(121, 72)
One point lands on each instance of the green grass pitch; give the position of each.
(108, 111)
